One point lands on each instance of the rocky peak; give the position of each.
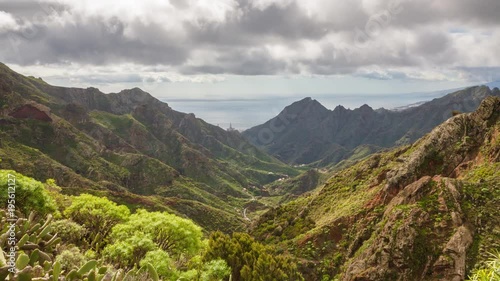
(339, 108)
(305, 106)
(134, 95)
(365, 107)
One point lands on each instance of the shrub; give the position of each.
(215, 270)
(70, 259)
(171, 233)
(98, 216)
(162, 262)
(69, 231)
(30, 194)
(128, 252)
(249, 259)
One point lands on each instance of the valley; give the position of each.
(312, 194)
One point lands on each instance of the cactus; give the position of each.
(36, 262)
(34, 239)
(36, 245)
(56, 271)
(22, 261)
(152, 272)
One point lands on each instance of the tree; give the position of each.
(250, 260)
(171, 233)
(98, 216)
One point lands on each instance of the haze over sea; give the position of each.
(246, 113)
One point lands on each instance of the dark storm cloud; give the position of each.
(431, 42)
(93, 41)
(272, 24)
(347, 36)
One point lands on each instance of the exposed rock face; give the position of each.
(404, 247)
(306, 132)
(423, 212)
(451, 264)
(428, 208)
(29, 111)
(443, 150)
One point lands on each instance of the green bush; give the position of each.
(69, 231)
(30, 195)
(171, 233)
(250, 260)
(128, 252)
(162, 262)
(190, 275)
(98, 216)
(215, 270)
(70, 259)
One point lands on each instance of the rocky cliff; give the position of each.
(428, 211)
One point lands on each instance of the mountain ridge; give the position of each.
(426, 211)
(311, 138)
(130, 144)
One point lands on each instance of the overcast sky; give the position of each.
(252, 48)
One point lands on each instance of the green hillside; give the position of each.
(423, 212)
(122, 187)
(130, 144)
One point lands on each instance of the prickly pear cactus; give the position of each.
(35, 256)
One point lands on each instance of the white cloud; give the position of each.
(7, 22)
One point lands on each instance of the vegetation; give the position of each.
(489, 273)
(250, 260)
(111, 145)
(148, 193)
(95, 238)
(30, 194)
(96, 215)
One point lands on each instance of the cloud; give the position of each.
(7, 22)
(258, 37)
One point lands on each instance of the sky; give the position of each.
(252, 49)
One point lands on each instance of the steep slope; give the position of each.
(128, 142)
(307, 133)
(423, 212)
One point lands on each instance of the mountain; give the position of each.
(427, 211)
(131, 147)
(306, 132)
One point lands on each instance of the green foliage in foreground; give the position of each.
(96, 239)
(491, 272)
(170, 232)
(28, 194)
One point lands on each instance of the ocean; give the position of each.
(242, 114)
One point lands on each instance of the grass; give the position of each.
(116, 123)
